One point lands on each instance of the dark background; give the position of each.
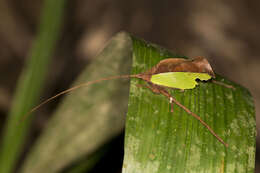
(226, 32)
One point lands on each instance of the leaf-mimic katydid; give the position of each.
(170, 73)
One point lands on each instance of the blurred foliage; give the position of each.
(156, 140)
(30, 84)
(87, 119)
(78, 135)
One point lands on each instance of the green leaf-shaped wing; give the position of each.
(180, 80)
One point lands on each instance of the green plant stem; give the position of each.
(30, 84)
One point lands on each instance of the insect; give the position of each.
(171, 73)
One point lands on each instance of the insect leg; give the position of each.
(171, 102)
(168, 95)
(157, 90)
(160, 90)
(151, 87)
(223, 84)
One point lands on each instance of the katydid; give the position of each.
(173, 73)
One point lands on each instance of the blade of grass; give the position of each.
(157, 140)
(30, 83)
(89, 117)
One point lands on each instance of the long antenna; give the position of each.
(72, 89)
(142, 76)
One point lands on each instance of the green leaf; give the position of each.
(156, 140)
(89, 117)
(30, 84)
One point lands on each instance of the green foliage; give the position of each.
(88, 118)
(30, 84)
(156, 140)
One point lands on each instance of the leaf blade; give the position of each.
(158, 141)
(87, 118)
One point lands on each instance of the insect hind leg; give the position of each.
(158, 90)
(152, 87)
(162, 90)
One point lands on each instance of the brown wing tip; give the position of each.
(204, 65)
